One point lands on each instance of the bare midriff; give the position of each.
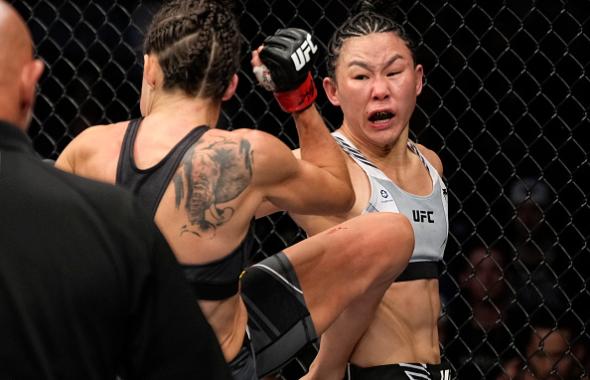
(228, 319)
(404, 329)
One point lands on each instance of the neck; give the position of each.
(10, 117)
(179, 109)
(391, 154)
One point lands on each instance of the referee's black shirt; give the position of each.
(88, 286)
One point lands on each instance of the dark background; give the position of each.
(503, 106)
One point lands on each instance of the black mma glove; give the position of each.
(288, 56)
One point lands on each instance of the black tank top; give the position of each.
(215, 280)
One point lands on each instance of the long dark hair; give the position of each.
(197, 43)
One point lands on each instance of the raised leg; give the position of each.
(341, 273)
(356, 260)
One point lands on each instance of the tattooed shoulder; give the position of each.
(213, 172)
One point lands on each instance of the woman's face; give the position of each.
(376, 85)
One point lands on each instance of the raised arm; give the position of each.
(283, 65)
(291, 184)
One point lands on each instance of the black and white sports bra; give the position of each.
(428, 214)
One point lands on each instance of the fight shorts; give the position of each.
(278, 319)
(243, 367)
(401, 371)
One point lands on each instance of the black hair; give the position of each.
(368, 16)
(197, 43)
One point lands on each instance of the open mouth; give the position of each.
(381, 116)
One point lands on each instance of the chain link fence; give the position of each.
(503, 106)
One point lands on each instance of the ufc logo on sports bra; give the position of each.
(301, 55)
(421, 216)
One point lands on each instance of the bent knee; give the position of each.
(382, 241)
(396, 228)
(392, 238)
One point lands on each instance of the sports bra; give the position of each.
(428, 214)
(214, 280)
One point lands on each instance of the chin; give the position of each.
(378, 127)
(383, 135)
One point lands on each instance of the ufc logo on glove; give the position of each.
(287, 58)
(301, 56)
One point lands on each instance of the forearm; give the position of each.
(317, 146)
(294, 89)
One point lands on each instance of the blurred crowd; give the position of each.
(512, 306)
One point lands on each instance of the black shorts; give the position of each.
(278, 319)
(401, 371)
(243, 367)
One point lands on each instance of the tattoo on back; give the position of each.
(212, 173)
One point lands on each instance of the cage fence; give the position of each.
(502, 106)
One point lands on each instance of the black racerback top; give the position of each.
(215, 280)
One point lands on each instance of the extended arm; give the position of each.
(295, 185)
(283, 66)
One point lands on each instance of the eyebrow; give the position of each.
(368, 66)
